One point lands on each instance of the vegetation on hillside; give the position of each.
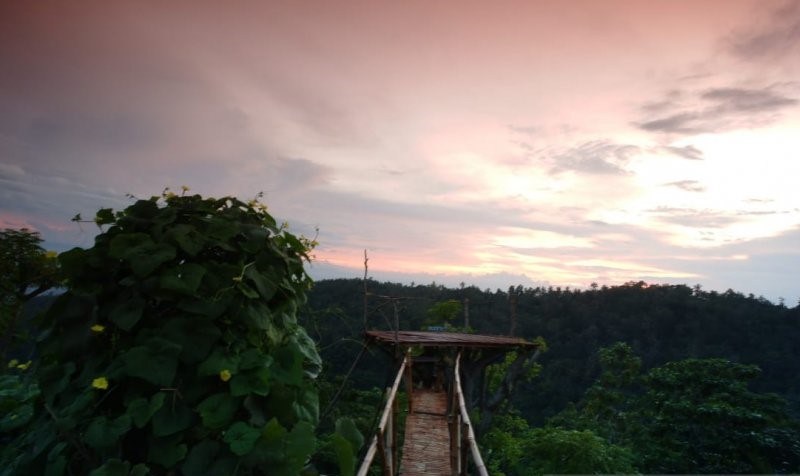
(652, 378)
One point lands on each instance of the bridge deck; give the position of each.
(426, 448)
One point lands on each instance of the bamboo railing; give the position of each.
(385, 440)
(463, 445)
(462, 436)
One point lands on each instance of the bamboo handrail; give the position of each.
(480, 467)
(373, 447)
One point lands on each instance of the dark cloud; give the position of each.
(687, 152)
(718, 109)
(681, 122)
(738, 100)
(778, 37)
(708, 218)
(594, 157)
(768, 266)
(694, 218)
(687, 185)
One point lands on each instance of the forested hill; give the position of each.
(662, 323)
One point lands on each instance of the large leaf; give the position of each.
(103, 433)
(288, 366)
(141, 411)
(127, 313)
(104, 216)
(155, 362)
(347, 441)
(124, 245)
(56, 460)
(170, 419)
(346, 428)
(255, 406)
(241, 438)
(201, 458)
(188, 238)
(195, 336)
(167, 452)
(300, 444)
(256, 314)
(112, 467)
(73, 262)
(199, 305)
(263, 284)
(306, 407)
(217, 362)
(345, 455)
(254, 381)
(218, 410)
(184, 279)
(254, 359)
(308, 348)
(139, 250)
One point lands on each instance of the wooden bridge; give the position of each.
(439, 437)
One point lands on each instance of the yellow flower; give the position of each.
(100, 383)
(98, 328)
(13, 363)
(225, 375)
(51, 254)
(24, 366)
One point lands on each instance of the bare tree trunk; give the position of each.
(466, 313)
(512, 302)
(365, 288)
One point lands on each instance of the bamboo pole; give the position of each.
(480, 467)
(378, 441)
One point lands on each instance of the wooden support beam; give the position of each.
(393, 445)
(409, 378)
(386, 459)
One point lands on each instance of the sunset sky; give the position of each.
(494, 143)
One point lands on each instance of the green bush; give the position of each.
(175, 349)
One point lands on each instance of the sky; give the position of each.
(496, 143)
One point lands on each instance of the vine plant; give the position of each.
(175, 349)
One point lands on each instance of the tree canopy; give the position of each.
(26, 271)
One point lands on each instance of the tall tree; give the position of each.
(26, 271)
(700, 416)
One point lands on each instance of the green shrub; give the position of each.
(175, 349)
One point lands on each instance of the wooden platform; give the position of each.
(426, 448)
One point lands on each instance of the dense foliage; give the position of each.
(692, 392)
(662, 323)
(174, 350)
(687, 416)
(26, 271)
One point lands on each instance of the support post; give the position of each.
(396, 328)
(386, 463)
(464, 446)
(455, 439)
(393, 445)
(409, 376)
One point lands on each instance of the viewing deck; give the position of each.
(427, 437)
(439, 439)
